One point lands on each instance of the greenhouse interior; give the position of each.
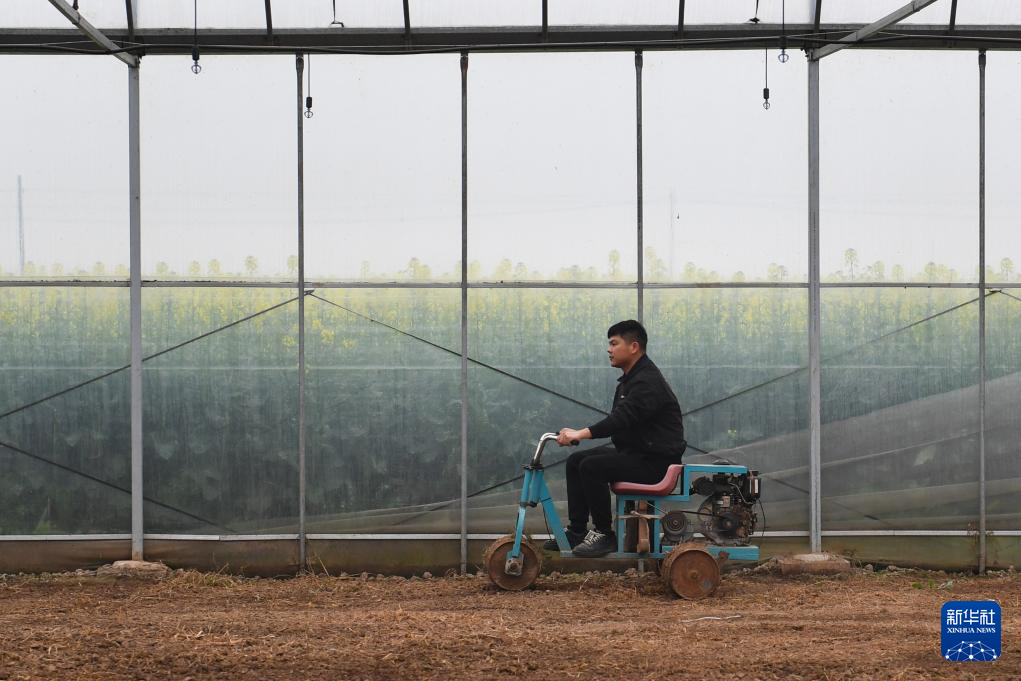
(299, 285)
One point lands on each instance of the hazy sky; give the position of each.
(551, 161)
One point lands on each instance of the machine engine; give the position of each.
(727, 517)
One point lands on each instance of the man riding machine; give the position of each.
(643, 467)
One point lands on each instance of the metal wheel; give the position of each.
(691, 572)
(495, 560)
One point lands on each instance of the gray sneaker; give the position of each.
(573, 538)
(596, 544)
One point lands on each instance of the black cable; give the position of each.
(111, 485)
(440, 505)
(842, 353)
(110, 373)
(144, 359)
(1009, 295)
(482, 364)
(458, 354)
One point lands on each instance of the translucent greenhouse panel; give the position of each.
(384, 414)
(899, 409)
(179, 315)
(383, 169)
(737, 361)
(219, 193)
(552, 167)
(899, 166)
(1003, 393)
(506, 419)
(447, 13)
(988, 12)
(1003, 168)
(65, 450)
(542, 365)
(612, 12)
(740, 11)
(73, 175)
(35, 14)
(349, 14)
(553, 337)
(724, 179)
(869, 11)
(185, 13)
(220, 414)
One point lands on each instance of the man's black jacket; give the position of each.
(645, 417)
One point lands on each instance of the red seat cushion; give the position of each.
(658, 489)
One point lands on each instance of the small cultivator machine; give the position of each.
(690, 545)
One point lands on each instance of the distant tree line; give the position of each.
(656, 268)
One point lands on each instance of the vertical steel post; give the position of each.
(982, 311)
(464, 312)
(299, 63)
(638, 156)
(135, 303)
(640, 280)
(814, 331)
(21, 232)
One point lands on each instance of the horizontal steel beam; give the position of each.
(471, 536)
(510, 39)
(597, 285)
(221, 537)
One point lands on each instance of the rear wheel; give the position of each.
(495, 560)
(691, 572)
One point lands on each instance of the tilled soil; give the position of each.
(883, 625)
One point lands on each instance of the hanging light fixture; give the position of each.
(765, 89)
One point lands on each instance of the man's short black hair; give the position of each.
(630, 330)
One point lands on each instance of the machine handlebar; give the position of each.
(546, 437)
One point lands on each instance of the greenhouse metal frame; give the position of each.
(816, 38)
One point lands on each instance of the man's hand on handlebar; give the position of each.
(569, 436)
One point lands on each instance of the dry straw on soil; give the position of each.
(882, 625)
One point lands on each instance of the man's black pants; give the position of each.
(589, 475)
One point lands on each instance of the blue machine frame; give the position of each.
(534, 492)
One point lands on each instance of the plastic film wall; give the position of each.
(718, 272)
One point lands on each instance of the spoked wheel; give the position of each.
(495, 560)
(691, 572)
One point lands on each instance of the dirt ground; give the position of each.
(882, 625)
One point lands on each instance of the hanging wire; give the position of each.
(308, 99)
(765, 89)
(335, 22)
(195, 68)
(783, 56)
